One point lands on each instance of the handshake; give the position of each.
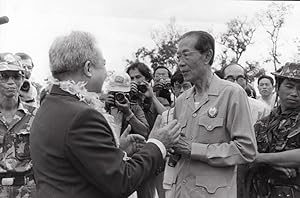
(168, 135)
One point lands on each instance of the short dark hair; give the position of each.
(177, 77)
(267, 77)
(162, 67)
(205, 42)
(24, 56)
(143, 69)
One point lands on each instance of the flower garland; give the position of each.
(90, 98)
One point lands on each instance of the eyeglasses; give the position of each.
(184, 86)
(16, 76)
(238, 78)
(184, 55)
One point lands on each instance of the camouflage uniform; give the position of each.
(14, 154)
(16, 176)
(278, 132)
(275, 133)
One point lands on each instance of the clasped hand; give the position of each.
(131, 143)
(183, 146)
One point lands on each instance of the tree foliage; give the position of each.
(237, 37)
(254, 70)
(272, 19)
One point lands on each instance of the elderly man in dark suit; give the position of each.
(75, 151)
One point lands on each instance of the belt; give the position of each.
(16, 179)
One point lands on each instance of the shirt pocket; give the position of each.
(211, 183)
(210, 124)
(205, 186)
(21, 144)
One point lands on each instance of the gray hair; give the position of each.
(70, 53)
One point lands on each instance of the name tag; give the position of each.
(7, 181)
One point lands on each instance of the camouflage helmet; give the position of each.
(10, 62)
(289, 70)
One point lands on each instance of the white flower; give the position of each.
(90, 98)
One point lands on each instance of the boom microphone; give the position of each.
(3, 19)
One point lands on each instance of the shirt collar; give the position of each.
(213, 88)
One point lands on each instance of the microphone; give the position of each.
(4, 19)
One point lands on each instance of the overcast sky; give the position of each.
(121, 27)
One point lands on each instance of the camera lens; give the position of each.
(25, 87)
(142, 88)
(120, 97)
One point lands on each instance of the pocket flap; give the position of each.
(210, 123)
(211, 183)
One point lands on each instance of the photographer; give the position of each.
(162, 85)
(119, 105)
(28, 92)
(141, 74)
(143, 94)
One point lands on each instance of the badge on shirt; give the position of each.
(212, 112)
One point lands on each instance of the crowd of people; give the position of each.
(191, 133)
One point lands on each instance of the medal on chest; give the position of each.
(212, 112)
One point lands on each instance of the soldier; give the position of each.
(275, 171)
(16, 174)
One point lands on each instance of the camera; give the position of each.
(162, 84)
(26, 86)
(174, 158)
(120, 97)
(142, 88)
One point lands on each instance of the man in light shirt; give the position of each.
(216, 129)
(266, 90)
(236, 73)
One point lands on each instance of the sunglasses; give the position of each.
(15, 75)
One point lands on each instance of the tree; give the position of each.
(254, 70)
(237, 37)
(272, 19)
(165, 47)
(224, 58)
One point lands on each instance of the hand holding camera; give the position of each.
(162, 84)
(119, 100)
(131, 143)
(135, 88)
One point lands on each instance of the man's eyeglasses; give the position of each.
(184, 86)
(5, 75)
(237, 78)
(184, 55)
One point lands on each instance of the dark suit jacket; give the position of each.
(74, 153)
